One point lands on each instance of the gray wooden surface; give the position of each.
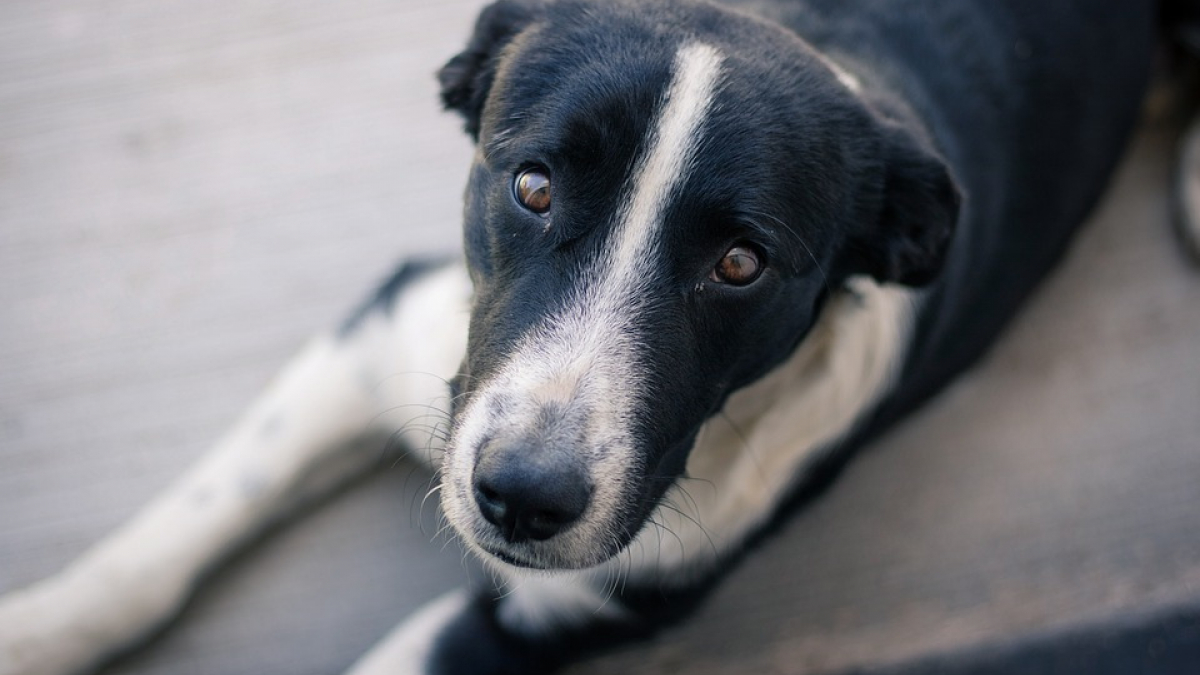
(188, 191)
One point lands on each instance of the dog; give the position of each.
(690, 229)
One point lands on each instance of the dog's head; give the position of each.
(662, 198)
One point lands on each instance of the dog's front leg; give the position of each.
(296, 442)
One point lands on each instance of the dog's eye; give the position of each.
(532, 188)
(740, 266)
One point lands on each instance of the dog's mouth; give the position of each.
(510, 559)
(567, 551)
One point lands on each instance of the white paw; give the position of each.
(37, 635)
(70, 621)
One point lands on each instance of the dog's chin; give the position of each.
(570, 551)
(543, 557)
(509, 559)
(528, 561)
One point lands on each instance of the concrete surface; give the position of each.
(187, 192)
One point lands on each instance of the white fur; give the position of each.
(295, 441)
(537, 605)
(845, 77)
(585, 357)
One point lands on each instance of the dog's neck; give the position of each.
(748, 456)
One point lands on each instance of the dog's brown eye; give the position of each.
(739, 267)
(532, 188)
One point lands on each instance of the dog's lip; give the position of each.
(509, 558)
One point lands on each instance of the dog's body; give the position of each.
(773, 231)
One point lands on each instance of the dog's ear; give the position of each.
(467, 78)
(918, 213)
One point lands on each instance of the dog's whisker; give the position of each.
(431, 491)
(688, 499)
(703, 530)
(406, 373)
(746, 446)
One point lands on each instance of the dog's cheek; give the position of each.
(737, 340)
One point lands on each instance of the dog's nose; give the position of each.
(530, 495)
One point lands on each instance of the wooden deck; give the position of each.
(186, 193)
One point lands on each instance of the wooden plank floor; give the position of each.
(186, 193)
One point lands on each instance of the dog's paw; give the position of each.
(37, 635)
(70, 622)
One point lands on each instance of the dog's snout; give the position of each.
(530, 495)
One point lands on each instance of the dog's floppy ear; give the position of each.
(918, 214)
(467, 78)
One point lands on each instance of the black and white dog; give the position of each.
(728, 243)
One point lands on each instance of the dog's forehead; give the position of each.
(558, 98)
(599, 303)
(617, 131)
(589, 111)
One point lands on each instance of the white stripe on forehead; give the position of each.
(671, 149)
